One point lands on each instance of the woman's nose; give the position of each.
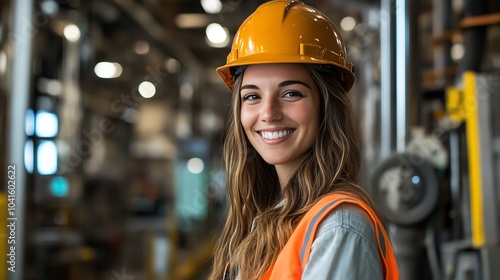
(271, 110)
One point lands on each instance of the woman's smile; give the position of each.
(275, 134)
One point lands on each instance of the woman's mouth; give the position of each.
(272, 135)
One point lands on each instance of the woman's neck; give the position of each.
(285, 171)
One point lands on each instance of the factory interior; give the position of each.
(112, 120)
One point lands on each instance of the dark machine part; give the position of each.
(405, 189)
(474, 37)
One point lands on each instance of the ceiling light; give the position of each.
(29, 125)
(46, 157)
(108, 70)
(172, 65)
(348, 23)
(195, 165)
(141, 47)
(457, 51)
(211, 6)
(217, 35)
(49, 86)
(72, 33)
(46, 124)
(147, 89)
(49, 7)
(28, 155)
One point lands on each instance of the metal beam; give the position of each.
(21, 40)
(388, 77)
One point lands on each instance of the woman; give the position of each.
(292, 156)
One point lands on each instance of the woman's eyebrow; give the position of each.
(282, 84)
(291, 82)
(249, 87)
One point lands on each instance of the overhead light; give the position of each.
(195, 165)
(46, 157)
(49, 86)
(28, 155)
(46, 124)
(29, 126)
(172, 65)
(217, 35)
(147, 89)
(72, 33)
(348, 23)
(49, 7)
(211, 6)
(108, 70)
(141, 47)
(457, 51)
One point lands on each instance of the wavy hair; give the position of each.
(332, 163)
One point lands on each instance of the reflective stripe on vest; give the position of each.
(294, 256)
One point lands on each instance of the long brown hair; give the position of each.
(333, 163)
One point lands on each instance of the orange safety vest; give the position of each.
(293, 258)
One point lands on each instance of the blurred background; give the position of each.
(112, 116)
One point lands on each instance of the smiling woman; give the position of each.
(292, 156)
(280, 114)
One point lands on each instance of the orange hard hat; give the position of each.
(288, 32)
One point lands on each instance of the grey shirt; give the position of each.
(345, 247)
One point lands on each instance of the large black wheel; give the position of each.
(405, 188)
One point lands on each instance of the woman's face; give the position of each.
(280, 112)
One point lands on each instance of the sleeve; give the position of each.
(344, 247)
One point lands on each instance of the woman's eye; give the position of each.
(250, 97)
(293, 93)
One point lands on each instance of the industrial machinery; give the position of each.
(440, 188)
(442, 195)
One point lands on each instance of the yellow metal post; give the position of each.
(462, 107)
(474, 161)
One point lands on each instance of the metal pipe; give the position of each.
(455, 190)
(398, 87)
(387, 81)
(402, 72)
(22, 37)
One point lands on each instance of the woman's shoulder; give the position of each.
(345, 244)
(348, 218)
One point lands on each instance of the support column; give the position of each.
(21, 38)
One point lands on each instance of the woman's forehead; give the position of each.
(266, 73)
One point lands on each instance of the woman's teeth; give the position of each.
(275, 134)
